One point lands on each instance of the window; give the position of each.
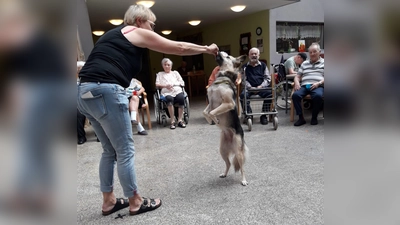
(290, 34)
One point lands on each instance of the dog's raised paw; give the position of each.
(244, 183)
(222, 175)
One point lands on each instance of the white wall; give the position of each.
(84, 28)
(303, 11)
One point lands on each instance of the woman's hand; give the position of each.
(212, 49)
(169, 86)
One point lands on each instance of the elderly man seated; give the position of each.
(311, 76)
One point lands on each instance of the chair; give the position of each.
(307, 97)
(146, 108)
(142, 110)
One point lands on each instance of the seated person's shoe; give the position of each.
(263, 120)
(299, 122)
(143, 132)
(314, 121)
(181, 124)
(81, 141)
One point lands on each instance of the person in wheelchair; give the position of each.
(257, 76)
(171, 83)
(136, 102)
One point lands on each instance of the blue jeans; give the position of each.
(106, 106)
(316, 97)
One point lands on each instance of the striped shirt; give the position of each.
(311, 73)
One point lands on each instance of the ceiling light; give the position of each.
(98, 32)
(238, 8)
(166, 32)
(195, 22)
(116, 22)
(148, 4)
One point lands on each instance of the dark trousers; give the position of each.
(316, 98)
(81, 126)
(262, 94)
(179, 99)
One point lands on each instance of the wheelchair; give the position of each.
(161, 109)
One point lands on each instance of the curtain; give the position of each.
(310, 31)
(287, 32)
(294, 31)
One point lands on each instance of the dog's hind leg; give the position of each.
(240, 158)
(228, 165)
(224, 150)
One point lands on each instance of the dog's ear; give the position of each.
(239, 60)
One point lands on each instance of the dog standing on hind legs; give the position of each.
(223, 111)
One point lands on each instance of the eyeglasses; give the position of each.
(152, 24)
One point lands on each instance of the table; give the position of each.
(196, 74)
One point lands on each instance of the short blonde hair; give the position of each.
(138, 11)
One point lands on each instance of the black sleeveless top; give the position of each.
(113, 60)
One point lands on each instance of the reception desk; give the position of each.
(196, 78)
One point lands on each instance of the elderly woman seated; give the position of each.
(171, 83)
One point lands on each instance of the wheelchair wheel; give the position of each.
(275, 123)
(164, 121)
(249, 124)
(280, 96)
(156, 110)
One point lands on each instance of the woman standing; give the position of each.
(113, 62)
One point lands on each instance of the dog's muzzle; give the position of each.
(219, 59)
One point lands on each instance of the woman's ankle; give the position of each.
(135, 201)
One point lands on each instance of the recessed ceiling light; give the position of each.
(238, 8)
(148, 4)
(166, 32)
(98, 32)
(116, 22)
(195, 22)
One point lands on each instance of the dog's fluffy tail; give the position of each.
(243, 155)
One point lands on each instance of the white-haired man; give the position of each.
(257, 76)
(311, 76)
